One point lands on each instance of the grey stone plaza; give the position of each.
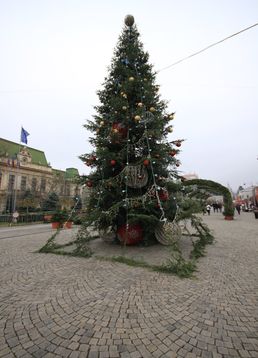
(62, 306)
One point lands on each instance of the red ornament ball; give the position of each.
(132, 235)
(120, 129)
(89, 184)
(113, 162)
(146, 162)
(163, 195)
(172, 153)
(178, 144)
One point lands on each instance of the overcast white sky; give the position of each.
(54, 56)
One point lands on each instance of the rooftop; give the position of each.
(10, 150)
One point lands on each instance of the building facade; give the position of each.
(25, 170)
(190, 176)
(247, 197)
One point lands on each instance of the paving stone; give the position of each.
(243, 353)
(73, 307)
(104, 355)
(93, 354)
(39, 353)
(74, 354)
(114, 354)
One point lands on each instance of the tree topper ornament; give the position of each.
(129, 20)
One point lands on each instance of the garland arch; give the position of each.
(215, 188)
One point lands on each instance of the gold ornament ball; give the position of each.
(152, 109)
(169, 129)
(124, 108)
(131, 79)
(137, 118)
(129, 20)
(140, 104)
(115, 130)
(172, 116)
(125, 95)
(102, 123)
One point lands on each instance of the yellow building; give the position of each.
(24, 169)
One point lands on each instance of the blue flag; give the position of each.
(24, 135)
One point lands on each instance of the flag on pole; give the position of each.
(24, 135)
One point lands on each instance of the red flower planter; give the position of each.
(47, 218)
(229, 217)
(68, 225)
(56, 225)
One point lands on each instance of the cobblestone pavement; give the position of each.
(59, 306)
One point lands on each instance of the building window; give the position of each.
(34, 184)
(11, 182)
(67, 190)
(0, 179)
(76, 191)
(43, 185)
(23, 183)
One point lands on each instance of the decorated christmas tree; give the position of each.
(133, 164)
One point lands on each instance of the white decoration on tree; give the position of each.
(136, 176)
(168, 233)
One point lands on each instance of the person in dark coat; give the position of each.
(238, 208)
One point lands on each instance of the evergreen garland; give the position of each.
(211, 187)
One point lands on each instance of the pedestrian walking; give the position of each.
(208, 209)
(15, 217)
